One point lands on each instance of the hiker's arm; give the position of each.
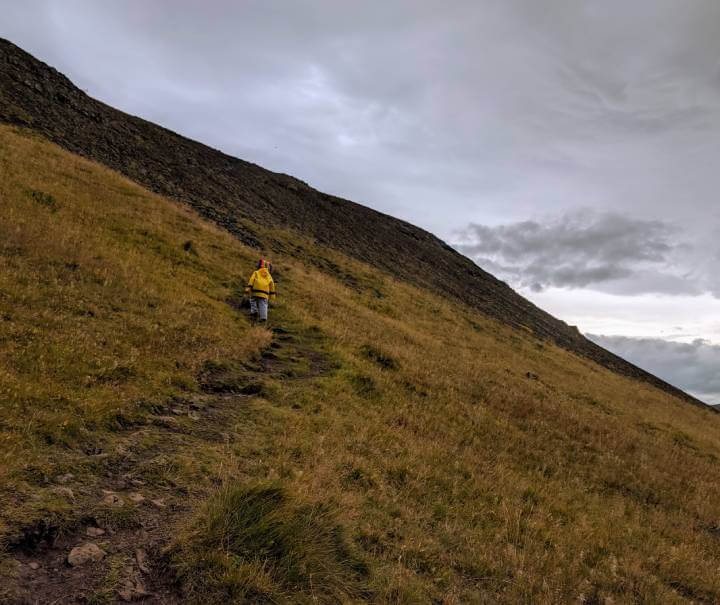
(273, 292)
(248, 287)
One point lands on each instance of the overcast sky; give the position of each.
(571, 147)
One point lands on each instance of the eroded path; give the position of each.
(127, 502)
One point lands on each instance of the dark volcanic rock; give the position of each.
(232, 193)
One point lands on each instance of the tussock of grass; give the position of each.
(254, 544)
(381, 359)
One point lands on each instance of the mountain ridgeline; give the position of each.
(233, 193)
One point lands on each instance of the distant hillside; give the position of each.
(231, 192)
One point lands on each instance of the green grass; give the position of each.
(253, 543)
(397, 432)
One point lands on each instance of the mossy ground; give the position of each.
(407, 454)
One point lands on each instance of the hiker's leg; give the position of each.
(262, 305)
(253, 305)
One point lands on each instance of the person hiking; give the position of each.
(260, 289)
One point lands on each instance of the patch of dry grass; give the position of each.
(253, 543)
(473, 483)
(103, 312)
(459, 478)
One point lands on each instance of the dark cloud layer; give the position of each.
(694, 367)
(581, 249)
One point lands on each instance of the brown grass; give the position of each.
(459, 479)
(103, 314)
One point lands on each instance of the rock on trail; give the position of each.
(85, 553)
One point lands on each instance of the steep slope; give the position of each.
(411, 454)
(231, 192)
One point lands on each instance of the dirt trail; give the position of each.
(131, 507)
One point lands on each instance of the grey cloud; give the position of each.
(581, 249)
(648, 106)
(694, 367)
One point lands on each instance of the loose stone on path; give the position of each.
(86, 553)
(142, 560)
(112, 500)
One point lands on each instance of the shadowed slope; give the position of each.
(231, 191)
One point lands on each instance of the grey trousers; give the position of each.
(259, 307)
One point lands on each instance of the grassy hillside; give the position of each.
(378, 445)
(225, 189)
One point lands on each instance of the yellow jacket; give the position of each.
(261, 284)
